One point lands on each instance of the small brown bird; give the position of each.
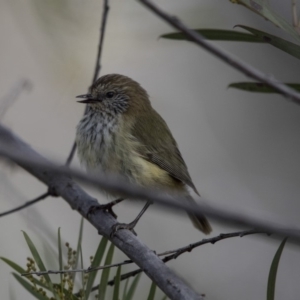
(121, 133)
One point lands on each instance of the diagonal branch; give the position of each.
(78, 199)
(290, 94)
(56, 177)
(25, 205)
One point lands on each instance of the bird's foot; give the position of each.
(106, 207)
(119, 226)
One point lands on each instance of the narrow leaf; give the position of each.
(132, 288)
(152, 291)
(105, 273)
(20, 270)
(78, 247)
(13, 265)
(262, 8)
(216, 35)
(125, 289)
(273, 272)
(96, 263)
(117, 284)
(82, 274)
(29, 287)
(259, 87)
(39, 262)
(60, 260)
(284, 45)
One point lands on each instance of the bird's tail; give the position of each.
(200, 222)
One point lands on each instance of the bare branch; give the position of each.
(175, 253)
(97, 64)
(56, 177)
(25, 205)
(78, 199)
(88, 270)
(290, 94)
(71, 154)
(101, 40)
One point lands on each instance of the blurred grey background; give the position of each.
(242, 149)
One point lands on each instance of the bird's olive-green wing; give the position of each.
(159, 147)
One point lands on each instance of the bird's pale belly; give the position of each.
(101, 150)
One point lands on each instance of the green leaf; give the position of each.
(39, 262)
(105, 273)
(78, 247)
(13, 265)
(152, 291)
(117, 284)
(284, 45)
(164, 297)
(216, 35)
(20, 270)
(29, 287)
(96, 263)
(273, 272)
(132, 288)
(231, 35)
(259, 87)
(125, 289)
(262, 8)
(82, 274)
(60, 259)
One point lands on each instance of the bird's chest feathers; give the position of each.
(96, 140)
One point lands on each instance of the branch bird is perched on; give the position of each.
(121, 133)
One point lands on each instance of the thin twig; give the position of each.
(174, 254)
(101, 40)
(97, 65)
(177, 252)
(228, 58)
(25, 205)
(88, 270)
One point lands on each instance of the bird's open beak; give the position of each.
(88, 98)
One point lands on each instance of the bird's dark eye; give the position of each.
(110, 94)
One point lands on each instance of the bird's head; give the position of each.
(116, 94)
